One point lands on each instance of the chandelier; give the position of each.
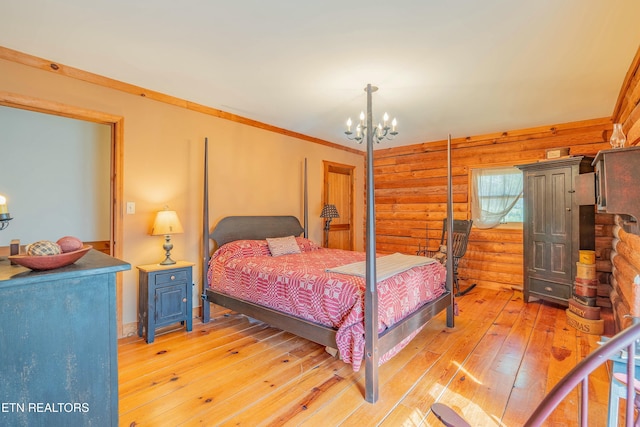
(381, 131)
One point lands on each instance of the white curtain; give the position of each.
(494, 191)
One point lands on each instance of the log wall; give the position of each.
(411, 185)
(625, 251)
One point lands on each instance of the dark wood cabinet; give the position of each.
(58, 344)
(555, 227)
(616, 182)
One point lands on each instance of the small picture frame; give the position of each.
(556, 153)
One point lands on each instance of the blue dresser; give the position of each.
(58, 344)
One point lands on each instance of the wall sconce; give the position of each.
(167, 223)
(328, 213)
(5, 217)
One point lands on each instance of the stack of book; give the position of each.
(583, 313)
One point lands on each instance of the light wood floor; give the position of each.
(494, 367)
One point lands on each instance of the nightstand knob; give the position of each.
(184, 300)
(173, 277)
(548, 288)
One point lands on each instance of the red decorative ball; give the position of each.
(69, 243)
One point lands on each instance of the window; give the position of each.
(496, 196)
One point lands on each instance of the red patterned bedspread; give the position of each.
(298, 284)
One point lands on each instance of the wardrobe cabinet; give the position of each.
(555, 227)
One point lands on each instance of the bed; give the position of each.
(379, 317)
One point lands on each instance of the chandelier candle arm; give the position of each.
(379, 132)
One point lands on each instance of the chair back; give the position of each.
(461, 231)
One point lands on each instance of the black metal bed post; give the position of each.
(371, 297)
(306, 202)
(206, 308)
(450, 260)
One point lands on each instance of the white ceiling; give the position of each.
(464, 67)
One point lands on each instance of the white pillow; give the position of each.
(283, 246)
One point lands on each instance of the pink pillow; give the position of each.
(306, 245)
(283, 246)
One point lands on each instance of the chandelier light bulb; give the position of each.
(349, 123)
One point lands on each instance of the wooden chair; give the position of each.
(461, 231)
(579, 375)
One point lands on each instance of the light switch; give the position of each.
(131, 208)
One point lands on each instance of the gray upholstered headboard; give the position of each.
(255, 228)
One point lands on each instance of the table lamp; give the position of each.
(167, 223)
(328, 213)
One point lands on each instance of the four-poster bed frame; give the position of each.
(261, 227)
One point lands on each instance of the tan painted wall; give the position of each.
(252, 171)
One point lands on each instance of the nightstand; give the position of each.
(164, 297)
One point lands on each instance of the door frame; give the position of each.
(347, 170)
(116, 123)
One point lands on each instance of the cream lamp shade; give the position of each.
(167, 223)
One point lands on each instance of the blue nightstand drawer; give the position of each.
(178, 276)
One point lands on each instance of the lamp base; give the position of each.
(327, 226)
(4, 220)
(168, 261)
(167, 248)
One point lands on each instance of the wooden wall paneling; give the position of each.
(627, 109)
(411, 193)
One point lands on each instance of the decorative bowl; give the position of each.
(49, 262)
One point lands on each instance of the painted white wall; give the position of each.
(55, 174)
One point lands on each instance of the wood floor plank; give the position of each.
(487, 375)
(599, 380)
(477, 314)
(162, 366)
(230, 401)
(564, 357)
(397, 377)
(167, 349)
(531, 380)
(213, 388)
(216, 363)
(278, 407)
(492, 367)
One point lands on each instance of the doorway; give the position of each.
(116, 165)
(338, 190)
